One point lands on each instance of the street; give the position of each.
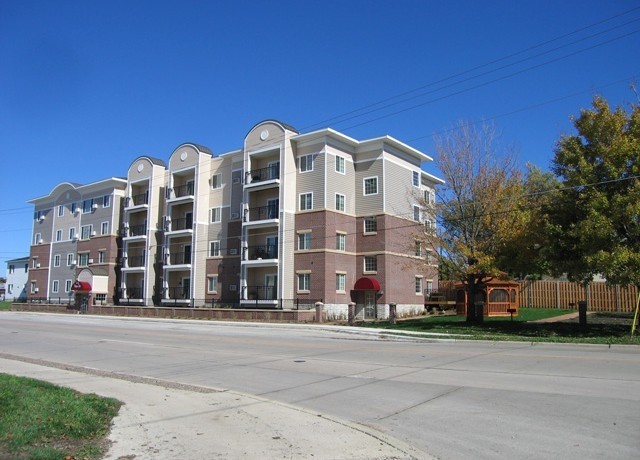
(452, 399)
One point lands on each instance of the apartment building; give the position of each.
(287, 220)
(74, 246)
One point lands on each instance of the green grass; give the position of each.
(5, 305)
(598, 330)
(42, 421)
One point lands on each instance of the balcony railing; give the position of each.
(134, 230)
(261, 213)
(184, 223)
(268, 173)
(180, 258)
(177, 292)
(262, 252)
(138, 199)
(131, 293)
(135, 261)
(261, 292)
(183, 190)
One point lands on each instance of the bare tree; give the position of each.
(483, 188)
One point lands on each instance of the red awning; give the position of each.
(82, 286)
(366, 284)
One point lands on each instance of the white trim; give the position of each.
(300, 201)
(364, 188)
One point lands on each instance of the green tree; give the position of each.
(594, 221)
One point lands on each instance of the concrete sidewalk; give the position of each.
(166, 420)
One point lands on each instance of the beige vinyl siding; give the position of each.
(341, 183)
(275, 137)
(400, 195)
(176, 163)
(312, 181)
(286, 252)
(370, 204)
(237, 175)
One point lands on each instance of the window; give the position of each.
(34, 263)
(340, 164)
(306, 163)
(416, 213)
(85, 232)
(37, 239)
(341, 282)
(58, 235)
(100, 299)
(416, 179)
(34, 289)
(10, 289)
(429, 197)
(74, 206)
(304, 281)
(26, 267)
(340, 202)
(370, 224)
(83, 259)
(430, 259)
(55, 286)
(370, 264)
(418, 284)
(212, 284)
(341, 242)
(418, 250)
(38, 215)
(72, 233)
(104, 228)
(304, 241)
(67, 286)
(11, 269)
(429, 225)
(428, 288)
(216, 181)
(216, 214)
(69, 259)
(306, 201)
(101, 258)
(370, 185)
(56, 260)
(87, 206)
(214, 249)
(106, 201)
(61, 210)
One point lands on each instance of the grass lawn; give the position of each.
(4, 305)
(42, 421)
(599, 329)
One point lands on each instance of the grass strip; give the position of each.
(42, 421)
(601, 328)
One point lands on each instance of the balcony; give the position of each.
(131, 293)
(263, 215)
(179, 261)
(263, 178)
(260, 293)
(180, 225)
(181, 193)
(140, 200)
(176, 294)
(134, 232)
(134, 263)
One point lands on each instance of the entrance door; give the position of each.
(271, 287)
(188, 220)
(370, 305)
(187, 254)
(273, 207)
(272, 247)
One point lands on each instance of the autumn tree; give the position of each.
(594, 221)
(475, 207)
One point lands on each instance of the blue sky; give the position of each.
(87, 86)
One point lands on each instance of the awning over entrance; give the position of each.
(366, 284)
(81, 286)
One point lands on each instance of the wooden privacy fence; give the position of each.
(600, 296)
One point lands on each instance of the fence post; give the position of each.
(319, 306)
(392, 313)
(352, 313)
(558, 294)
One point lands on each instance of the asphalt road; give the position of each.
(455, 400)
